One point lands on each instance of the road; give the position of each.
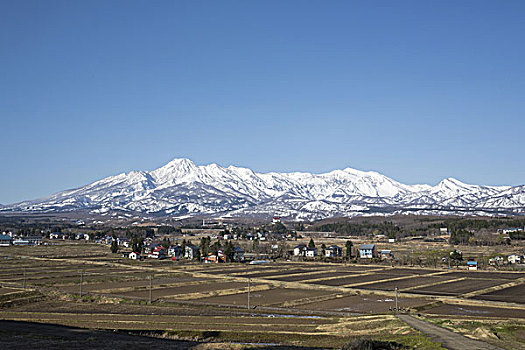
(448, 339)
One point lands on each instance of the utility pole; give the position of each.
(81, 280)
(397, 292)
(249, 282)
(150, 287)
(24, 278)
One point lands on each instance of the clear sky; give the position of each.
(417, 90)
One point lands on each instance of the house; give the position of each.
(386, 254)
(20, 241)
(514, 259)
(134, 256)
(238, 254)
(5, 240)
(472, 264)
(190, 252)
(310, 252)
(299, 250)
(497, 260)
(367, 251)
(333, 251)
(34, 240)
(443, 230)
(220, 257)
(175, 251)
(158, 253)
(57, 235)
(276, 219)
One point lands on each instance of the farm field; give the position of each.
(406, 283)
(299, 304)
(272, 297)
(514, 294)
(458, 287)
(367, 304)
(476, 311)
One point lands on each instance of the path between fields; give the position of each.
(448, 339)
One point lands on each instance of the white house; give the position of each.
(299, 250)
(175, 251)
(190, 251)
(514, 259)
(310, 252)
(333, 251)
(367, 251)
(134, 256)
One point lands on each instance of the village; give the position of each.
(228, 243)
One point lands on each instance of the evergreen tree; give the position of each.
(349, 246)
(114, 246)
(311, 244)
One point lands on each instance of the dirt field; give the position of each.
(273, 297)
(476, 311)
(458, 287)
(353, 280)
(514, 294)
(363, 304)
(405, 283)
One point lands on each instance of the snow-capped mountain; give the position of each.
(181, 188)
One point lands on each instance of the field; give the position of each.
(291, 303)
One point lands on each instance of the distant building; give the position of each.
(238, 254)
(333, 251)
(443, 230)
(472, 264)
(276, 219)
(299, 250)
(134, 256)
(5, 240)
(386, 254)
(514, 259)
(175, 251)
(367, 251)
(190, 251)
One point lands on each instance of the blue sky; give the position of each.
(417, 90)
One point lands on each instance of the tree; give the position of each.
(114, 246)
(229, 251)
(311, 244)
(456, 256)
(349, 246)
(323, 249)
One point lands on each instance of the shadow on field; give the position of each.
(27, 335)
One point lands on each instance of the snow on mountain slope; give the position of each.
(183, 188)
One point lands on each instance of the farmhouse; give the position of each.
(190, 251)
(157, 253)
(57, 235)
(333, 251)
(175, 251)
(386, 254)
(514, 259)
(238, 254)
(310, 252)
(299, 250)
(220, 257)
(5, 240)
(134, 256)
(367, 251)
(34, 240)
(472, 264)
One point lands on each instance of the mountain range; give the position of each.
(182, 189)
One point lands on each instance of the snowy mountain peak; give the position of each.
(181, 188)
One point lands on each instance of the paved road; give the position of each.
(448, 339)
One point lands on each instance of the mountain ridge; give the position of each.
(181, 188)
